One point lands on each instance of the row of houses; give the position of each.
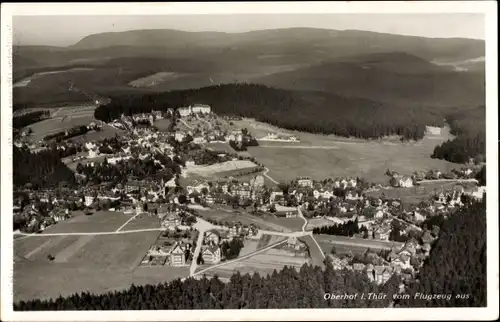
(331, 184)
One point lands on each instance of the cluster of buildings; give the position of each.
(405, 260)
(169, 252)
(211, 249)
(194, 109)
(216, 192)
(280, 138)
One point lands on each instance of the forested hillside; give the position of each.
(40, 170)
(285, 289)
(469, 126)
(314, 112)
(457, 263)
(394, 78)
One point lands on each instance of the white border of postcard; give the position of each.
(489, 8)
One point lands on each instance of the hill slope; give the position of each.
(282, 41)
(395, 78)
(278, 46)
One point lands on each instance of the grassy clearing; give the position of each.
(346, 244)
(263, 264)
(292, 224)
(218, 146)
(91, 263)
(155, 79)
(318, 222)
(106, 132)
(321, 156)
(51, 126)
(163, 124)
(125, 250)
(230, 216)
(367, 160)
(143, 222)
(100, 221)
(252, 245)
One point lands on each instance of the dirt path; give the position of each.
(125, 224)
(266, 170)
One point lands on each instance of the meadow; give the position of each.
(263, 263)
(57, 124)
(143, 221)
(234, 216)
(85, 263)
(99, 221)
(356, 246)
(321, 157)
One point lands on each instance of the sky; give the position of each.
(67, 30)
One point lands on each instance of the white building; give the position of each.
(184, 111)
(179, 136)
(201, 108)
(89, 200)
(304, 182)
(405, 182)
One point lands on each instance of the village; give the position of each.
(169, 175)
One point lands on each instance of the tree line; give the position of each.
(349, 228)
(288, 288)
(469, 127)
(327, 113)
(29, 118)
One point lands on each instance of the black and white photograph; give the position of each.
(241, 160)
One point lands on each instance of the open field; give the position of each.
(106, 132)
(219, 146)
(356, 245)
(57, 124)
(252, 245)
(333, 156)
(91, 263)
(100, 221)
(163, 124)
(417, 194)
(231, 215)
(293, 224)
(156, 79)
(218, 170)
(263, 263)
(39, 76)
(318, 222)
(142, 221)
(367, 159)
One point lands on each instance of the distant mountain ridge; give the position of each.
(280, 40)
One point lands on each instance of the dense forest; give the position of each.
(327, 113)
(457, 263)
(288, 288)
(26, 119)
(123, 170)
(469, 127)
(40, 170)
(348, 228)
